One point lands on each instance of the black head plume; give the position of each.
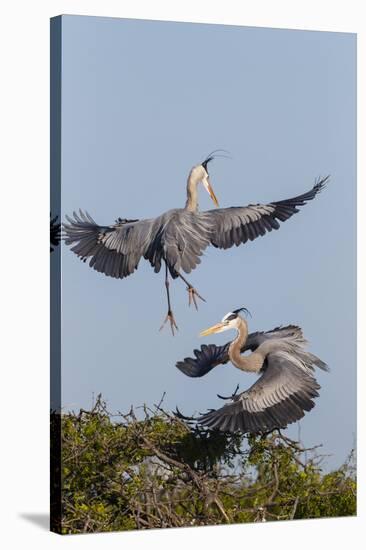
(205, 162)
(237, 311)
(213, 155)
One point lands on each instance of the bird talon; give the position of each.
(192, 294)
(173, 324)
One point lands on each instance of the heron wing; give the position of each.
(210, 356)
(114, 250)
(206, 358)
(255, 339)
(178, 236)
(281, 395)
(237, 225)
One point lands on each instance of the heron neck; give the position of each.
(192, 195)
(250, 363)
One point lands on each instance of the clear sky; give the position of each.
(141, 103)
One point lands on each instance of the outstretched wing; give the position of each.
(205, 360)
(237, 225)
(177, 236)
(114, 250)
(279, 397)
(208, 357)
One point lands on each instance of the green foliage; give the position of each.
(162, 471)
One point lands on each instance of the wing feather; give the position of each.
(205, 360)
(177, 236)
(236, 225)
(279, 397)
(114, 250)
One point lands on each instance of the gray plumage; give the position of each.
(178, 237)
(283, 393)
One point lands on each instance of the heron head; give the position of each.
(199, 174)
(229, 322)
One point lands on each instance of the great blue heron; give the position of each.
(177, 237)
(285, 389)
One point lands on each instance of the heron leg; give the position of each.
(192, 292)
(169, 317)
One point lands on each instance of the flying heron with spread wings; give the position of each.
(178, 237)
(286, 387)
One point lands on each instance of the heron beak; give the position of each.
(213, 330)
(210, 191)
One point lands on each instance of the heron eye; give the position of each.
(231, 317)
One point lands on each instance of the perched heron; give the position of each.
(177, 237)
(285, 389)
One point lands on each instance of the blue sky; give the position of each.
(141, 103)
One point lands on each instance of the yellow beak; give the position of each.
(210, 191)
(213, 330)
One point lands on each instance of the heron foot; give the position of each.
(193, 295)
(173, 325)
(230, 396)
